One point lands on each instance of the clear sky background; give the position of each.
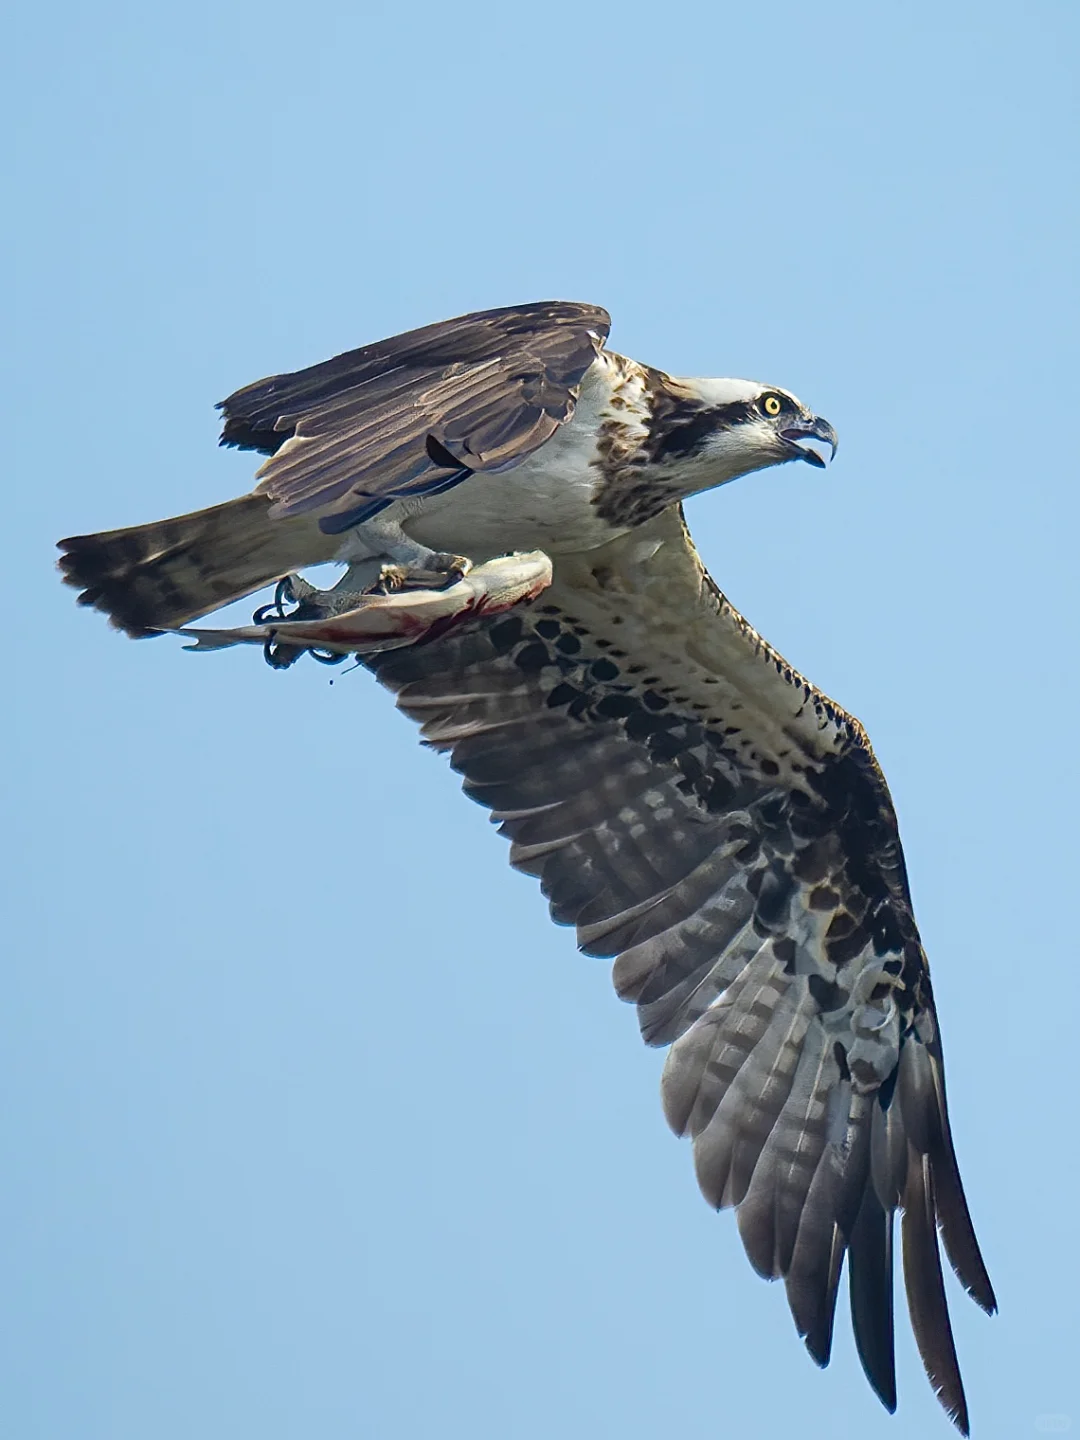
(313, 1125)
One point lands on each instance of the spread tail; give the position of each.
(158, 576)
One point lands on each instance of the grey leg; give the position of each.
(360, 577)
(380, 558)
(399, 565)
(409, 564)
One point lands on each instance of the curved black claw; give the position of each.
(456, 567)
(280, 656)
(283, 595)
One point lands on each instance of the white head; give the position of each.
(716, 430)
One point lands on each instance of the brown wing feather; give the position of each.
(706, 817)
(412, 414)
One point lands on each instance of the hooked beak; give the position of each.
(802, 435)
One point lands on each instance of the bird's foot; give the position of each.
(283, 595)
(451, 567)
(439, 571)
(391, 579)
(308, 603)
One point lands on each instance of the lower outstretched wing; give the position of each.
(415, 414)
(704, 815)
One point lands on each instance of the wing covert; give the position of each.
(720, 829)
(414, 414)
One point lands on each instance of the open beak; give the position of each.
(806, 438)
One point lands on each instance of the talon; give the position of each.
(443, 571)
(296, 590)
(455, 567)
(391, 579)
(275, 610)
(280, 657)
(289, 590)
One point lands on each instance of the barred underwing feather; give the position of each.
(828, 1218)
(666, 1007)
(722, 830)
(757, 1095)
(713, 893)
(670, 952)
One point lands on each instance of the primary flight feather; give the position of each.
(696, 808)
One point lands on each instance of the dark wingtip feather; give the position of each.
(871, 1289)
(925, 1287)
(812, 1283)
(958, 1233)
(954, 1217)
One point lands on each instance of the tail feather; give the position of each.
(157, 576)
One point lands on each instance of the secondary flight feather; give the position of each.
(690, 803)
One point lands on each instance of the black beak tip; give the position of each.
(813, 428)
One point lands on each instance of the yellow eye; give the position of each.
(772, 405)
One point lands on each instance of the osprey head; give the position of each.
(718, 430)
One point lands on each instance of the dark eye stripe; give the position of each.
(682, 428)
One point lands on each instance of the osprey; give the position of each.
(696, 808)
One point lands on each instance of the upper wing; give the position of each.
(701, 812)
(415, 414)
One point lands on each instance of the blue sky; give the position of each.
(313, 1124)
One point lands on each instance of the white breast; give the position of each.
(544, 503)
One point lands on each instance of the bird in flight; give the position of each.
(700, 812)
